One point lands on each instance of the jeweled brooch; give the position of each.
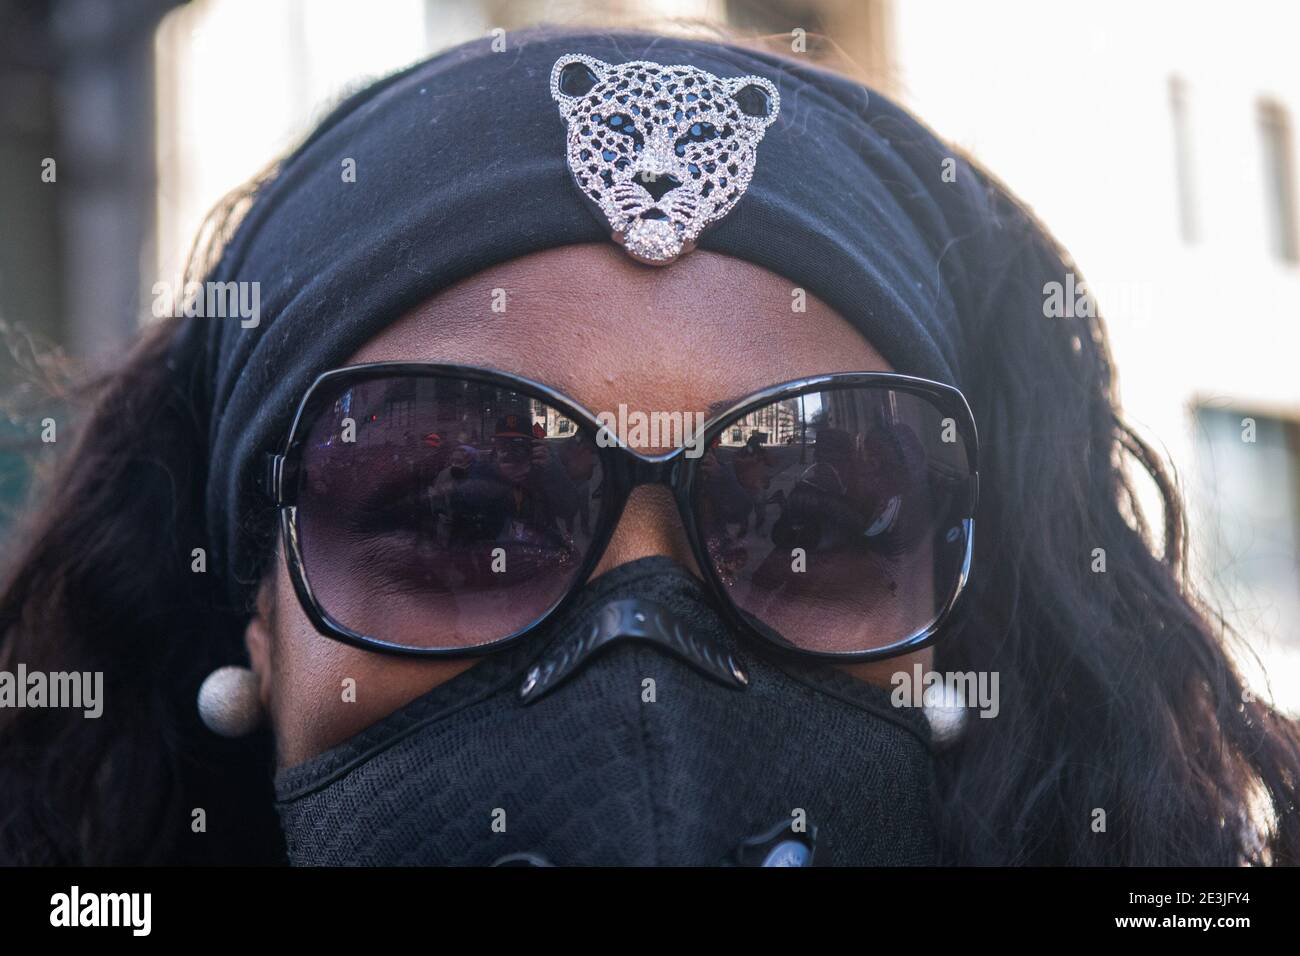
(663, 151)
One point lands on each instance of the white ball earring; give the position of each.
(945, 709)
(229, 703)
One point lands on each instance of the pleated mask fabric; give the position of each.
(603, 773)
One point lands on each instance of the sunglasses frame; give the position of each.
(623, 470)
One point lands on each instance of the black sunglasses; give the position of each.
(449, 511)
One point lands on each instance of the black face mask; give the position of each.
(633, 732)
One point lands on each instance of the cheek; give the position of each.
(324, 691)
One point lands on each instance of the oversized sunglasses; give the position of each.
(449, 511)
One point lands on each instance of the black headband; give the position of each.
(460, 164)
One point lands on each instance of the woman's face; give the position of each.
(604, 331)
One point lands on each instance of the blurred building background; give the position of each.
(1157, 140)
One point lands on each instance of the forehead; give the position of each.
(604, 330)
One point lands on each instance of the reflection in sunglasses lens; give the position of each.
(836, 520)
(436, 512)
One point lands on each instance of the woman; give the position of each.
(656, 687)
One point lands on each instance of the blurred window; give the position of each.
(1183, 172)
(1253, 529)
(1279, 172)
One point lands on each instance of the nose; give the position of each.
(649, 525)
(659, 186)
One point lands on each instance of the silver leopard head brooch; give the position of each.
(663, 151)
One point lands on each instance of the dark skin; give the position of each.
(704, 331)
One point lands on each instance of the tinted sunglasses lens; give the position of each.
(438, 512)
(837, 521)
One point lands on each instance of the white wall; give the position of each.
(1068, 102)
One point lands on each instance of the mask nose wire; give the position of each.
(632, 619)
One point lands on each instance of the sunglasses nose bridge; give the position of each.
(641, 470)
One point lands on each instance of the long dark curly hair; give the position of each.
(1118, 692)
